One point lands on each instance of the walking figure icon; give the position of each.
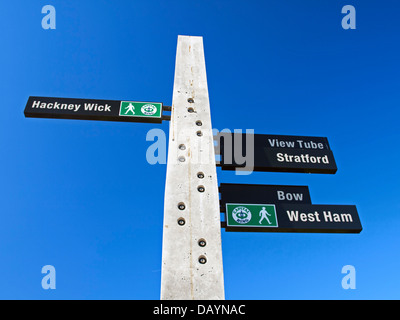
(130, 108)
(264, 215)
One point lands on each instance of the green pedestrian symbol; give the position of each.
(140, 109)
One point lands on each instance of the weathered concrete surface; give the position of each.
(190, 157)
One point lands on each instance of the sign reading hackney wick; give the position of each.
(277, 153)
(274, 208)
(93, 109)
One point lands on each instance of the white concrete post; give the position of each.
(191, 254)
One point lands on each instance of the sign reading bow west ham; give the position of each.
(277, 208)
(93, 109)
(277, 153)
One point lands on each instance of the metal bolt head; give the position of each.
(202, 243)
(201, 189)
(181, 221)
(200, 175)
(190, 100)
(202, 259)
(181, 206)
(199, 123)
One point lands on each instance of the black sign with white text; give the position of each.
(256, 193)
(93, 109)
(276, 153)
(292, 217)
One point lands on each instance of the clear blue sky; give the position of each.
(80, 195)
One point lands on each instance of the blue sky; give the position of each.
(80, 195)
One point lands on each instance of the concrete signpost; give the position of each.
(191, 254)
(191, 249)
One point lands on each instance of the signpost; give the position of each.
(278, 153)
(192, 254)
(93, 109)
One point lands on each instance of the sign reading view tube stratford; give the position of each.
(276, 153)
(91, 109)
(292, 217)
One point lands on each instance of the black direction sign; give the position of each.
(256, 193)
(285, 217)
(276, 153)
(93, 109)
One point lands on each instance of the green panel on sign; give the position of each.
(251, 215)
(140, 109)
